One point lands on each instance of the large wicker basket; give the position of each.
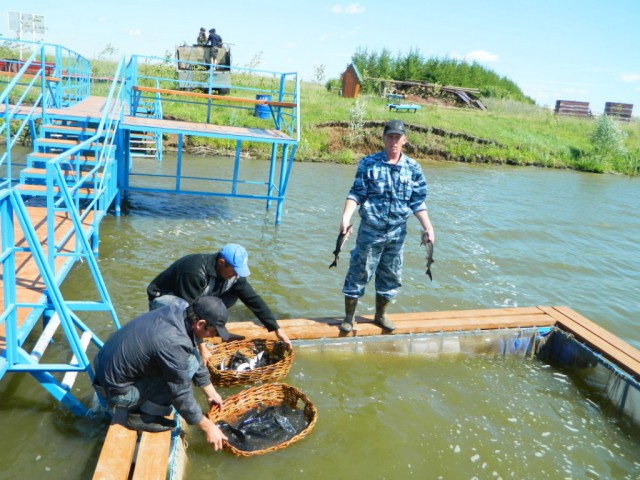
(269, 395)
(228, 378)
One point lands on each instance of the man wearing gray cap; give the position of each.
(148, 366)
(388, 187)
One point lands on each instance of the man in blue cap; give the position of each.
(388, 188)
(223, 275)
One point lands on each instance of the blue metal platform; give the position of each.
(85, 149)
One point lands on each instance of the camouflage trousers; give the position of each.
(378, 252)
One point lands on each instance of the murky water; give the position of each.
(505, 237)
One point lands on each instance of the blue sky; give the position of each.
(584, 50)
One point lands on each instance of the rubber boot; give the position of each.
(350, 304)
(380, 317)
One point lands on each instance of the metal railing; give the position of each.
(239, 83)
(84, 212)
(52, 76)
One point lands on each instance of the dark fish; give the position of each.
(342, 238)
(430, 259)
(264, 426)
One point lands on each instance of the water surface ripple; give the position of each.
(506, 237)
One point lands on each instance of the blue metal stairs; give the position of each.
(51, 210)
(56, 138)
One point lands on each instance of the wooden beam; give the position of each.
(421, 322)
(227, 98)
(117, 451)
(604, 342)
(29, 75)
(152, 459)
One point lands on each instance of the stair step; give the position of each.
(41, 173)
(41, 190)
(38, 159)
(62, 143)
(68, 130)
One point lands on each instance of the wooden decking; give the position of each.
(599, 339)
(116, 456)
(205, 129)
(119, 459)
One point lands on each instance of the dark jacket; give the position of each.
(194, 275)
(155, 344)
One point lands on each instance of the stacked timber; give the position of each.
(572, 108)
(620, 111)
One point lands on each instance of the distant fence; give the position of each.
(621, 111)
(571, 108)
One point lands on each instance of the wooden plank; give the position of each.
(253, 101)
(611, 347)
(596, 330)
(28, 75)
(570, 107)
(152, 459)
(420, 322)
(117, 451)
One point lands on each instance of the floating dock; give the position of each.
(522, 327)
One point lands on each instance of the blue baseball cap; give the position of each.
(236, 256)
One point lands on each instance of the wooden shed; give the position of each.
(621, 111)
(351, 81)
(572, 108)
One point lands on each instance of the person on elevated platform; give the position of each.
(148, 367)
(202, 37)
(388, 188)
(214, 40)
(223, 275)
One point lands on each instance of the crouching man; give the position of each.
(148, 366)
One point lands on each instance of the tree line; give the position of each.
(442, 71)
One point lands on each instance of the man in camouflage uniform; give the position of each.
(388, 188)
(202, 37)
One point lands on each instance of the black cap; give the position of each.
(394, 127)
(214, 312)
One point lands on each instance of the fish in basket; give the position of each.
(244, 362)
(264, 418)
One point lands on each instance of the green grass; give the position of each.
(521, 133)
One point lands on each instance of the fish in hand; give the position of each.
(429, 245)
(342, 239)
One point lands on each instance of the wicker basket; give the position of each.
(269, 394)
(228, 378)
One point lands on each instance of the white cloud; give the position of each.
(481, 56)
(630, 77)
(351, 9)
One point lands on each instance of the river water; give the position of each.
(505, 237)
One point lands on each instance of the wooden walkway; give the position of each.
(119, 458)
(115, 455)
(205, 129)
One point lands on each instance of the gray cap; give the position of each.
(214, 312)
(394, 127)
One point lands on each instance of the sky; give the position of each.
(582, 50)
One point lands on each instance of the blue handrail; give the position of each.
(32, 91)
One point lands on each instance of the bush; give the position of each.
(607, 142)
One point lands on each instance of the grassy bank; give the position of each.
(337, 129)
(507, 132)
